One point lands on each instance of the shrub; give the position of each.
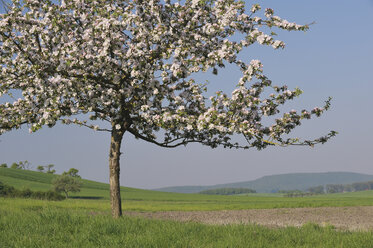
(6, 190)
(9, 191)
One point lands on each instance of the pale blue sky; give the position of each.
(334, 58)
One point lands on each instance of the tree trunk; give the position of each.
(116, 204)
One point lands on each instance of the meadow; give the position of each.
(96, 194)
(85, 221)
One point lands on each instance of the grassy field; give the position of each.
(36, 223)
(85, 221)
(96, 195)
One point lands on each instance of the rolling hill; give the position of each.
(94, 196)
(39, 181)
(274, 183)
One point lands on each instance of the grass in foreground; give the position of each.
(31, 223)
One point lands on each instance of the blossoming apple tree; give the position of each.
(131, 63)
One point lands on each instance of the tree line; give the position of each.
(329, 189)
(26, 165)
(227, 191)
(339, 188)
(295, 193)
(68, 181)
(10, 191)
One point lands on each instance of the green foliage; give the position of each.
(66, 184)
(72, 173)
(299, 194)
(227, 191)
(334, 188)
(34, 224)
(317, 189)
(339, 188)
(362, 186)
(15, 166)
(3, 165)
(44, 195)
(295, 193)
(49, 169)
(6, 190)
(9, 191)
(25, 165)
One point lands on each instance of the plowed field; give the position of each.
(345, 218)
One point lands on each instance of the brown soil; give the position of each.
(345, 218)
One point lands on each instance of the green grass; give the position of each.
(42, 181)
(34, 223)
(86, 221)
(146, 200)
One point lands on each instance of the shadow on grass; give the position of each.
(86, 197)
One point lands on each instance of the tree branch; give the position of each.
(138, 135)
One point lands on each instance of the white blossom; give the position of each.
(135, 71)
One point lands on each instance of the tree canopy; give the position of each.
(130, 62)
(66, 184)
(72, 173)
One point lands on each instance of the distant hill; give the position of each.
(39, 181)
(274, 183)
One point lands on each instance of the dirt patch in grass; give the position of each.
(346, 218)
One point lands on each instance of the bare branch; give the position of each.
(138, 135)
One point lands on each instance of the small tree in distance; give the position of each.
(40, 168)
(3, 165)
(25, 165)
(49, 169)
(72, 172)
(66, 184)
(129, 64)
(15, 166)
